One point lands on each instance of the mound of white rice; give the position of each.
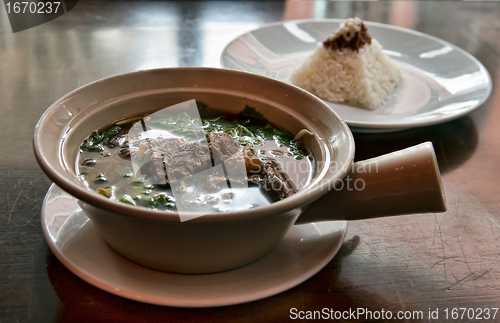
(365, 78)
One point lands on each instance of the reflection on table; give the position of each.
(407, 263)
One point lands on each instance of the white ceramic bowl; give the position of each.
(222, 241)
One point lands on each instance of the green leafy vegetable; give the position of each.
(97, 140)
(206, 113)
(281, 137)
(139, 182)
(253, 115)
(243, 136)
(266, 132)
(161, 200)
(182, 187)
(126, 199)
(110, 134)
(239, 131)
(210, 126)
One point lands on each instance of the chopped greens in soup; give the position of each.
(193, 163)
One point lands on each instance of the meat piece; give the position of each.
(222, 146)
(252, 163)
(125, 152)
(119, 140)
(181, 158)
(158, 169)
(170, 159)
(184, 158)
(275, 183)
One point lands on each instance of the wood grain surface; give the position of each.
(406, 263)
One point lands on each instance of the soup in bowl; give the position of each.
(192, 158)
(145, 223)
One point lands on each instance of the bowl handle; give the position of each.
(403, 182)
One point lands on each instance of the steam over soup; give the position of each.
(226, 163)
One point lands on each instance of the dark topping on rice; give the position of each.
(355, 42)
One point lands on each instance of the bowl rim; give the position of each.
(83, 194)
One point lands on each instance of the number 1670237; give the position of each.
(33, 7)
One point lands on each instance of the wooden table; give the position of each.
(406, 263)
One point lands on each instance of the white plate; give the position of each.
(440, 82)
(304, 251)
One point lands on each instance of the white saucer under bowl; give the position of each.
(304, 251)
